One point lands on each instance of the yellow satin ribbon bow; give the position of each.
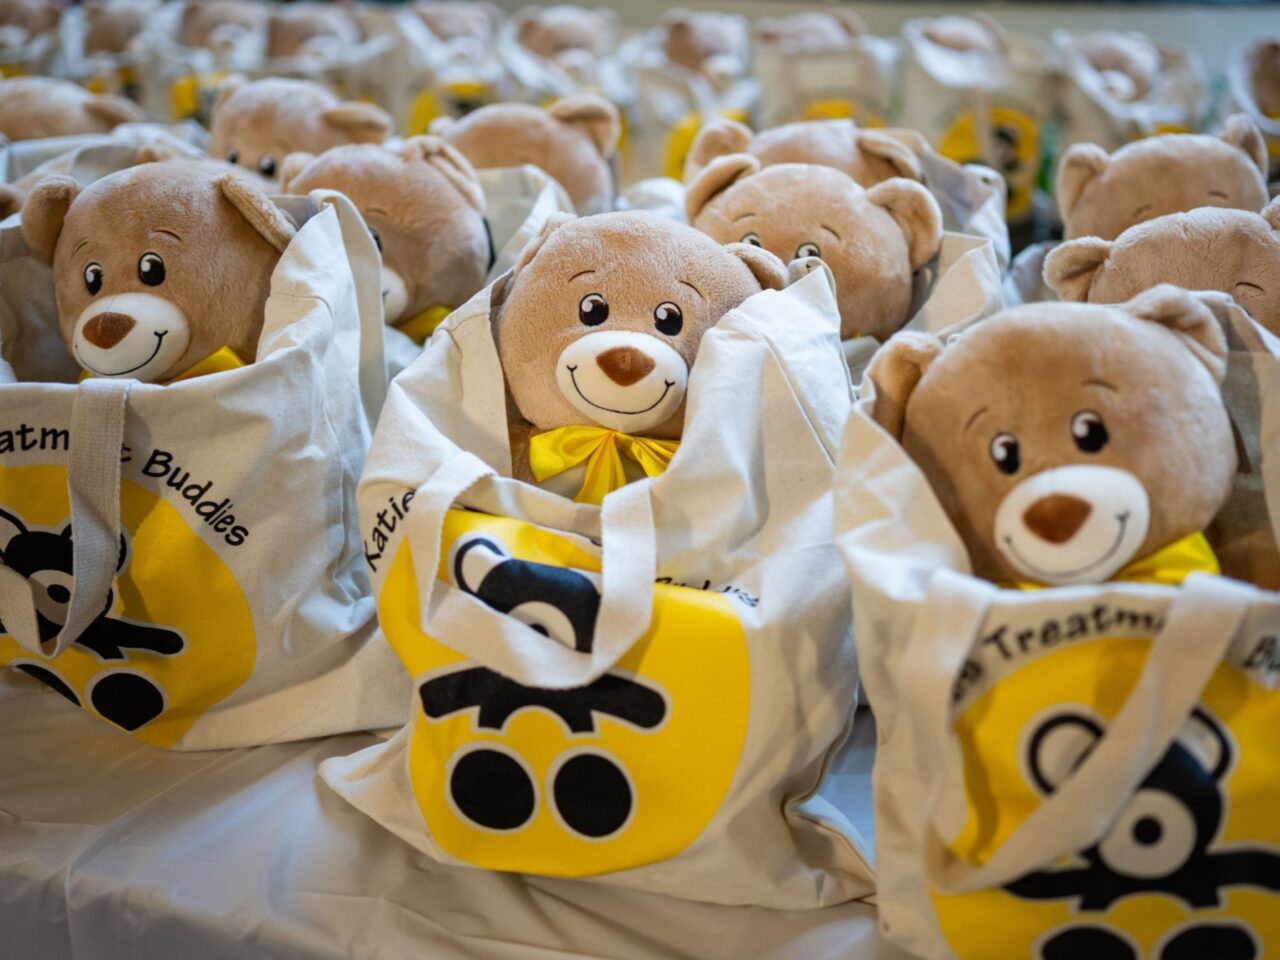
(221, 360)
(421, 326)
(556, 451)
(1168, 566)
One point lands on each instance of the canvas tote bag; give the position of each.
(676, 743)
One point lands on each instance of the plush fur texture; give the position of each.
(300, 29)
(451, 20)
(218, 235)
(423, 202)
(113, 25)
(21, 21)
(868, 156)
(1234, 251)
(1128, 63)
(636, 262)
(1264, 71)
(1103, 195)
(217, 23)
(815, 31)
(570, 36)
(35, 107)
(256, 124)
(873, 240)
(572, 140)
(705, 42)
(1150, 370)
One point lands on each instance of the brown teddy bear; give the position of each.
(22, 21)
(450, 20)
(1071, 443)
(571, 140)
(574, 38)
(160, 271)
(872, 240)
(1103, 195)
(32, 108)
(705, 42)
(598, 325)
(815, 31)
(112, 26)
(257, 123)
(868, 156)
(216, 24)
(1234, 251)
(301, 29)
(424, 206)
(1265, 74)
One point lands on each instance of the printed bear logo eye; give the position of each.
(808, 249)
(93, 279)
(593, 310)
(668, 318)
(1154, 836)
(52, 595)
(753, 239)
(1089, 432)
(151, 269)
(1006, 453)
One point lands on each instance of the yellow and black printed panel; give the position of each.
(625, 771)
(1016, 146)
(176, 635)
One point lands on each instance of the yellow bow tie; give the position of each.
(421, 326)
(556, 451)
(1169, 565)
(222, 359)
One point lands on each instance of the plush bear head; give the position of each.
(571, 140)
(873, 240)
(158, 266)
(1264, 74)
(702, 41)
(601, 318)
(977, 34)
(569, 36)
(1103, 195)
(452, 20)
(32, 108)
(1129, 64)
(1234, 251)
(812, 32)
(302, 29)
(425, 208)
(1066, 441)
(22, 21)
(210, 24)
(112, 26)
(257, 123)
(868, 156)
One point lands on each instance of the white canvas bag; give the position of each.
(1241, 98)
(820, 85)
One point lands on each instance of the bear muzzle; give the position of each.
(622, 379)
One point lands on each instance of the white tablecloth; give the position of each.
(111, 850)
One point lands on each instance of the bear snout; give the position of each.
(1057, 517)
(625, 365)
(107, 329)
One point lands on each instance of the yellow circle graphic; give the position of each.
(1016, 141)
(840, 108)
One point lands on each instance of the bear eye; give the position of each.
(1089, 431)
(377, 238)
(668, 318)
(93, 279)
(809, 249)
(267, 165)
(151, 269)
(1006, 453)
(753, 239)
(233, 155)
(593, 310)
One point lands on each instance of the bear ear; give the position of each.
(292, 165)
(1070, 267)
(769, 271)
(1080, 164)
(360, 122)
(718, 139)
(10, 527)
(450, 162)
(554, 223)
(229, 87)
(441, 126)
(114, 110)
(1241, 132)
(715, 178)
(43, 213)
(253, 204)
(11, 199)
(1058, 747)
(893, 152)
(1271, 213)
(916, 212)
(1185, 315)
(595, 116)
(895, 371)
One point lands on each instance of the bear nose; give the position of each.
(1057, 517)
(625, 365)
(107, 329)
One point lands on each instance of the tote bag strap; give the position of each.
(1200, 626)
(501, 642)
(93, 485)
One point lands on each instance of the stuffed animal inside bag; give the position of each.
(598, 327)
(872, 240)
(257, 123)
(161, 271)
(705, 42)
(220, 24)
(1071, 443)
(32, 108)
(23, 21)
(453, 20)
(310, 29)
(113, 25)
(425, 208)
(572, 37)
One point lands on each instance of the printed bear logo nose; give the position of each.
(1057, 517)
(625, 365)
(107, 329)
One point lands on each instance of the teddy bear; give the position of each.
(570, 36)
(425, 208)
(161, 271)
(868, 156)
(1235, 251)
(257, 123)
(1264, 74)
(572, 140)
(813, 31)
(1102, 195)
(219, 24)
(452, 20)
(872, 240)
(705, 42)
(301, 29)
(1128, 63)
(112, 26)
(1070, 443)
(597, 327)
(32, 108)
(22, 21)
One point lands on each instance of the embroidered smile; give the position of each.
(1044, 575)
(665, 391)
(120, 373)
